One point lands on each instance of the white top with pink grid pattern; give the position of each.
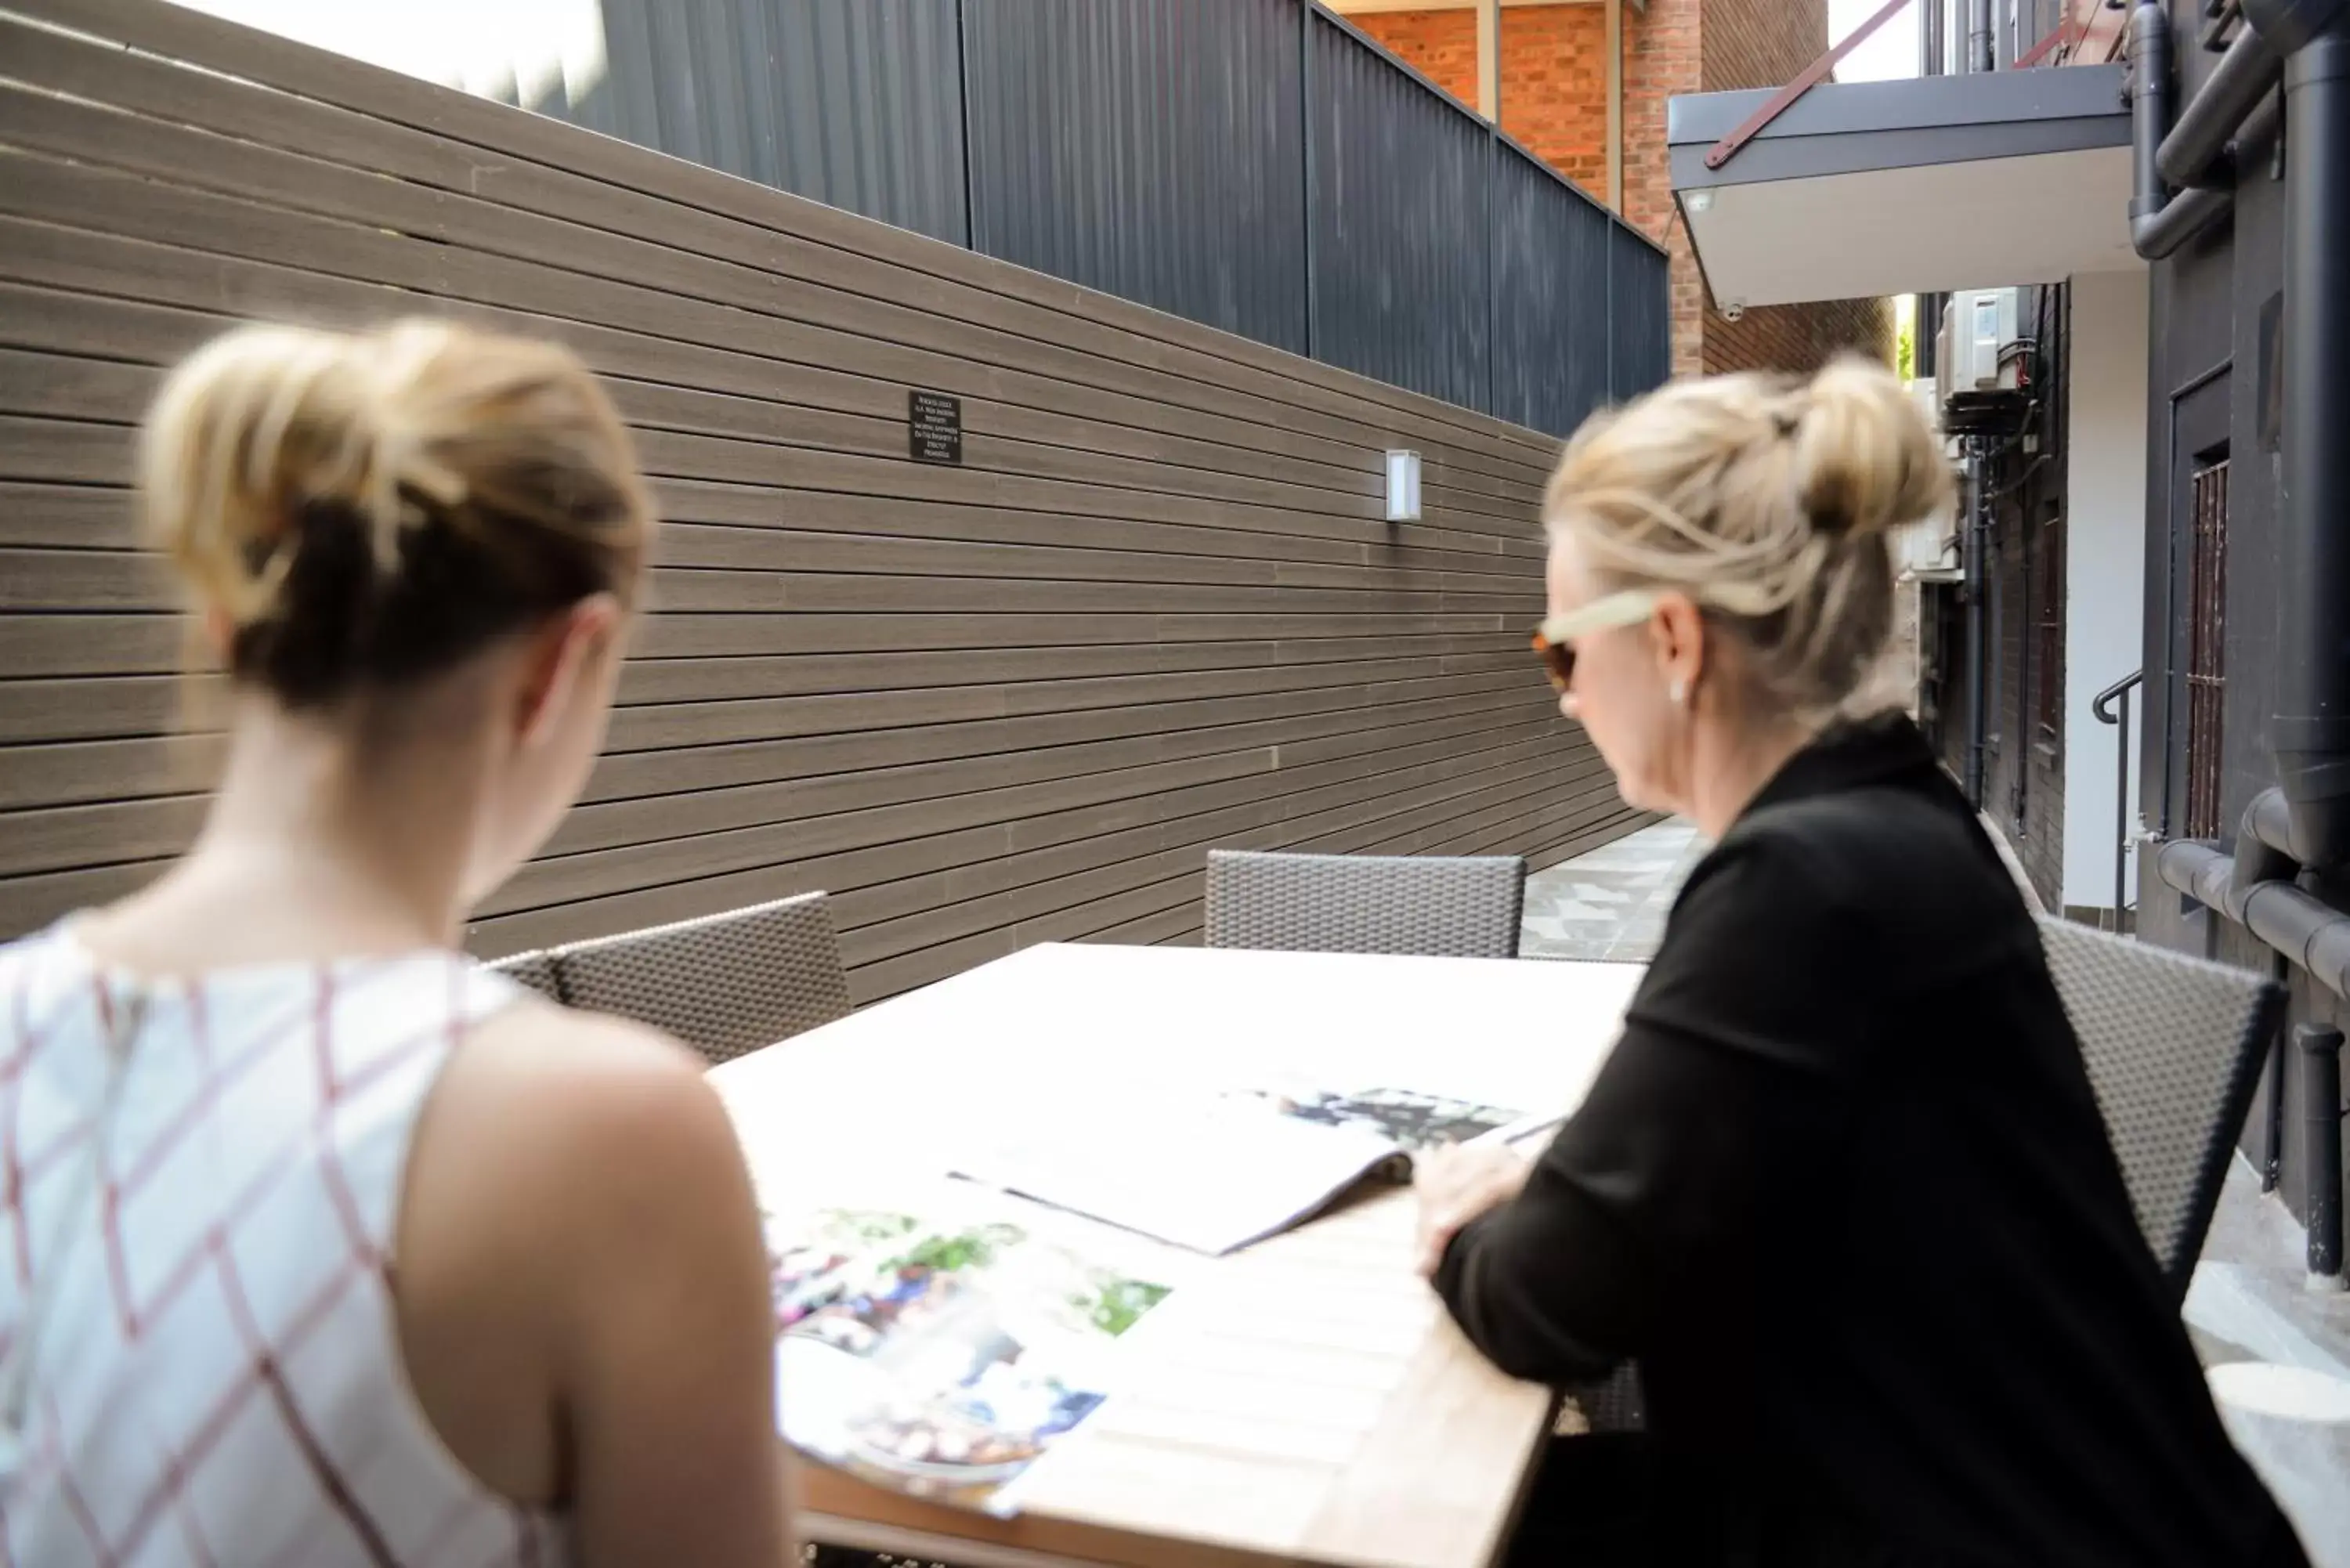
(201, 1182)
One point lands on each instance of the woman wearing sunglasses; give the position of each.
(1841, 1190)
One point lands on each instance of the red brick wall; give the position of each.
(1440, 44)
(1661, 59)
(1555, 88)
(1798, 338)
(1554, 102)
(1553, 75)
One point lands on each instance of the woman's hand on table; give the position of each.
(1457, 1183)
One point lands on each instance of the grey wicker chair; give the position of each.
(1455, 907)
(724, 983)
(534, 969)
(2173, 1046)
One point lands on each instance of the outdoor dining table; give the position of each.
(1302, 1400)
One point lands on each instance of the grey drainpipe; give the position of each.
(2149, 91)
(2161, 222)
(2266, 850)
(1979, 35)
(2257, 890)
(1978, 645)
(2320, 1114)
(2191, 151)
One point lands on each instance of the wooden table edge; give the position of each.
(838, 1510)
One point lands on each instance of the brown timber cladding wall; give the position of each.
(1156, 611)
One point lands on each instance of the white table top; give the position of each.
(1303, 1400)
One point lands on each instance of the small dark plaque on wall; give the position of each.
(934, 426)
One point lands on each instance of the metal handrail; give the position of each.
(2103, 708)
(2103, 704)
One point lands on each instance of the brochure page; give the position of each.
(941, 1354)
(1215, 1171)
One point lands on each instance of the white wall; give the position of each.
(2105, 565)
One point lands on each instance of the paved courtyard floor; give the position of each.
(1611, 903)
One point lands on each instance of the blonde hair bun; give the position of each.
(371, 506)
(1865, 460)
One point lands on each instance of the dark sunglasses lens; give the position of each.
(1558, 660)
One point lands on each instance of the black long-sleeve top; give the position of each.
(1844, 1193)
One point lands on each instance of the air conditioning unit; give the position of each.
(1925, 551)
(1976, 324)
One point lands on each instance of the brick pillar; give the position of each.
(1662, 59)
(1555, 88)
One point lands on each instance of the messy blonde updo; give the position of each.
(1768, 500)
(366, 509)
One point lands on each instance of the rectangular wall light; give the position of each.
(1403, 487)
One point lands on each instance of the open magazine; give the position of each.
(1215, 1171)
(940, 1356)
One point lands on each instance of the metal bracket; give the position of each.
(1724, 150)
(2061, 38)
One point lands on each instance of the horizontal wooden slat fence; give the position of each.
(1155, 610)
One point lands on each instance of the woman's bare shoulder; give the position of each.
(534, 1036)
(563, 1160)
(552, 1098)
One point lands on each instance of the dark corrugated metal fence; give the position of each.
(1396, 188)
(1552, 318)
(1261, 166)
(1639, 314)
(857, 104)
(1148, 150)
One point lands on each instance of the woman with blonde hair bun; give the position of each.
(1841, 1192)
(320, 1244)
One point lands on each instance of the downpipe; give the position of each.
(2247, 73)
(1978, 651)
(2160, 221)
(2321, 1088)
(2256, 887)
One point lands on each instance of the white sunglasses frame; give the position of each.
(1628, 607)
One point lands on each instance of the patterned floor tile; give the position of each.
(1611, 903)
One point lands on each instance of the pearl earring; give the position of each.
(1680, 693)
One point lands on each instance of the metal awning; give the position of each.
(1864, 189)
